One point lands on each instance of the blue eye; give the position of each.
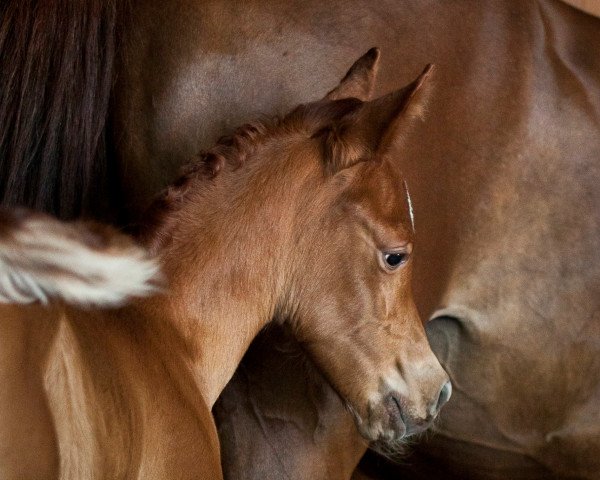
(395, 259)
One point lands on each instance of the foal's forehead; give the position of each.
(382, 200)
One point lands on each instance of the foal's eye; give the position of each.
(393, 260)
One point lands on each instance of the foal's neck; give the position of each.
(211, 336)
(220, 256)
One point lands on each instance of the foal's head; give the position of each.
(319, 222)
(350, 297)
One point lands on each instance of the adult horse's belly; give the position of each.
(518, 326)
(504, 175)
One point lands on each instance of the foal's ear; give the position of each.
(359, 80)
(377, 126)
(401, 109)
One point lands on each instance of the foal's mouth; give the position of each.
(384, 422)
(396, 425)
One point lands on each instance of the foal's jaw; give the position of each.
(399, 400)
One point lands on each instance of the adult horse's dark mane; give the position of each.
(56, 64)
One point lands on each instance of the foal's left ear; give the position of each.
(375, 127)
(405, 106)
(359, 80)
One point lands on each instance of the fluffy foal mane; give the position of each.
(313, 119)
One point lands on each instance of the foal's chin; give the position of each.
(383, 422)
(388, 423)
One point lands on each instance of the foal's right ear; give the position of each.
(359, 80)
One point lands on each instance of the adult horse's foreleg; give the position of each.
(278, 411)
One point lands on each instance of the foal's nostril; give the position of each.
(445, 394)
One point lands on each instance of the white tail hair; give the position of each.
(84, 264)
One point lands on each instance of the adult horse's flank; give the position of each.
(304, 218)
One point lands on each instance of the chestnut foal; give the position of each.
(304, 218)
(308, 219)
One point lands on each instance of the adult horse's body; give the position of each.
(509, 158)
(503, 180)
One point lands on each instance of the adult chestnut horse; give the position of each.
(505, 197)
(128, 391)
(503, 177)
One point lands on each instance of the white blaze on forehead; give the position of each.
(410, 206)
